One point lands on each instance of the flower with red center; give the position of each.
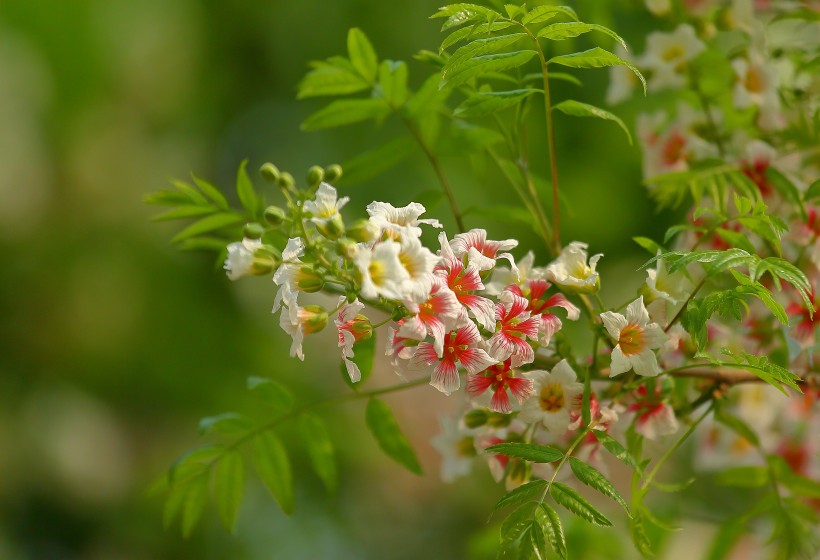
(534, 291)
(462, 281)
(636, 339)
(435, 316)
(351, 328)
(500, 378)
(807, 320)
(759, 158)
(514, 326)
(459, 346)
(481, 252)
(654, 415)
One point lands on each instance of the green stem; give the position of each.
(685, 304)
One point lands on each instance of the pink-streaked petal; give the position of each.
(513, 266)
(659, 421)
(501, 346)
(425, 355)
(437, 330)
(529, 327)
(483, 310)
(477, 384)
(478, 260)
(521, 388)
(500, 401)
(475, 360)
(413, 328)
(550, 324)
(514, 305)
(558, 300)
(471, 281)
(524, 354)
(445, 377)
(467, 335)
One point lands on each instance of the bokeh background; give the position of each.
(113, 344)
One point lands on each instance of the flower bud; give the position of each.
(361, 327)
(333, 228)
(308, 280)
(315, 175)
(286, 180)
(275, 216)
(466, 447)
(499, 420)
(476, 418)
(363, 231)
(269, 172)
(313, 318)
(333, 172)
(253, 231)
(347, 248)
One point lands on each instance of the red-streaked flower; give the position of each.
(481, 252)
(435, 316)
(399, 349)
(655, 417)
(636, 339)
(514, 326)
(500, 378)
(459, 346)
(352, 327)
(807, 320)
(539, 304)
(462, 281)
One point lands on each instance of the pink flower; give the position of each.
(459, 346)
(654, 415)
(514, 326)
(462, 280)
(399, 348)
(500, 378)
(481, 252)
(534, 292)
(435, 316)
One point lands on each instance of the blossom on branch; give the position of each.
(636, 340)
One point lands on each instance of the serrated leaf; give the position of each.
(194, 195)
(638, 534)
(596, 58)
(594, 479)
(273, 467)
(170, 197)
(479, 65)
(516, 523)
(538, 541)
(344, 112)
(813, 191)
(527, 451)
(377, 161)
(577, 504)
(271, 393)
(317, 441)
(526, 492)
(550, 523)
(193, 504)
(541, 14)
(362, 55)
(487, 102)
(229, 423)
(382, 424)
(428, 100)
(578, 109)
(393, 82)
(561, 31)
(182, 212)
(208, 224)
(334, 77)
(743, 477)
(244, 189)
(470, 32)
(649, 245)
(229, 485)
(465, 10)
(211, 192)
(194, 462)
(478, 47)
(618, 451)
(787, 188)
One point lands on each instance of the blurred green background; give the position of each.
(113, 344)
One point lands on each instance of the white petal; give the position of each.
(614, 323)
(636, 313)
(620, 363)
(645, 363)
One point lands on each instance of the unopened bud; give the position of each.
(253, 231)
(315, 175)
(286, 180)
(648, 295)
(466, 447)
(475, 418)
(333, 228)
(313, 318)
(348, 248)
(499, 420)
(275, 216)
(361, 328)
(363, 231)
(333, 172)
(308, 280)
(269, 172)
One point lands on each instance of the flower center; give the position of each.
(672, 52)
(551, 397)
(754, 81)
(377, 272)
(631, 340)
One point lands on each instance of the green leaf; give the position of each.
(618, 451)
(479, 65)
(726, 538)
(229, 484)
(244, 189)
(207, 224)
(362, 55)
(171, 197)
(465, 11)
(193, 463)
(538, 541)
(377, 161)
(594, 479)
(487, 102)
(205, 243)
(334, 77)
(273, 467)
(638, 534)
(211, 192)
(737, 425)
(561, 31)
(193, 504)
(477, 48)
(649, 245)
(393, 82)
(181, 212)
(549, 521)
(527, 451)
(346, 111)
(541, 14)
(516, 523)
(273, 394)
(382, 424)
(787, 188)
(577, 504)
(596, 58)
(470, 32)
(813, 191)
(229, 423)
(524, 493)
(428, 100)
(743, 477)
(320, 449)
(578, 109)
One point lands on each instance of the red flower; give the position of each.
(514, 326)
(500, 378)
(539, 305)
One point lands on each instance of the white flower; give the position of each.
(286, 276)
(347, 336)
(399, 222)
(757, 84)
(503, 277)
(481, 252)
(325, 207)
(658, 7)
(636, 337)
(556, 393)
(294, 329)
(667, 55)
(382, 271)
(663, 285)
(570, 269)
(418, 261)
(240, 258)
(457, 448)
